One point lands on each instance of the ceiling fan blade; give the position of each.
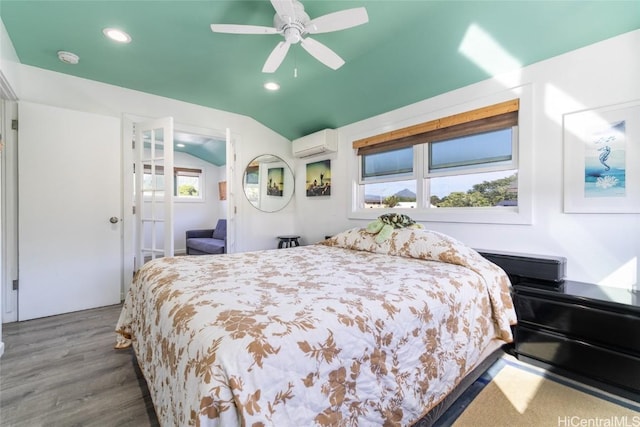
(285, 9)
(322, 53)
(276, 57)
(242, 29)
(338, 21)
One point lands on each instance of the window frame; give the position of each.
(359, 189)
(521, 214)
(201, 178)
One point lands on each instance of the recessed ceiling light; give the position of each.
(68, 57)
(117, 35)
(180, 145)
(271, 86)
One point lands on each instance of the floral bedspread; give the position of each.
(347, 332)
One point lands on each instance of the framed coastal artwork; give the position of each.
(602, 160)
(318, 180)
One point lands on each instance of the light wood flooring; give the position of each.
(63, 371)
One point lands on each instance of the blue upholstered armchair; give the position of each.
(209, 241)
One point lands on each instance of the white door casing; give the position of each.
(69, 228)
(9, 212)
(128, 203)
(231, 192)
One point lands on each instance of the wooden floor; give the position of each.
(63, 371)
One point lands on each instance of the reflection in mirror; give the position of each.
(268, 183)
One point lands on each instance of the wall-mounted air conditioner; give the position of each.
(324, 141)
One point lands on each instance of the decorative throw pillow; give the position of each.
(386, 223)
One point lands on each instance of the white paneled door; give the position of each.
(70, 210)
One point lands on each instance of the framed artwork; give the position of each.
(602, 160)
(275, 181)
(318, 182)
(222, 190)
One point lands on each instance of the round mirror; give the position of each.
(268, 183)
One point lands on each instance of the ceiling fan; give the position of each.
(292, 22)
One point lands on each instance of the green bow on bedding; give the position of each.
(385, 224)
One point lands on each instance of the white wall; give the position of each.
(600, 248)
(256, 229)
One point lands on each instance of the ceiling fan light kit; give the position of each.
(272, 86)
(117, 35)
(293, 23)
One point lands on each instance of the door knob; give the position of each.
(114, 220)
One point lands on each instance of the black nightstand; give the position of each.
(582, 330)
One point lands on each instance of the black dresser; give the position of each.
(583, 331)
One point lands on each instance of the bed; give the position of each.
(346, 332)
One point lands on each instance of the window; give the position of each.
(469, 160)
(474, 171)
(388, 179)
(187, 182)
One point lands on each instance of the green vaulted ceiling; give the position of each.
(408, 51)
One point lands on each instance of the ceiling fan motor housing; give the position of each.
(292, 27)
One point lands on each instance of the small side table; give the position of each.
(288, 241)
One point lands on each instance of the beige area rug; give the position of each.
(520, 397)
